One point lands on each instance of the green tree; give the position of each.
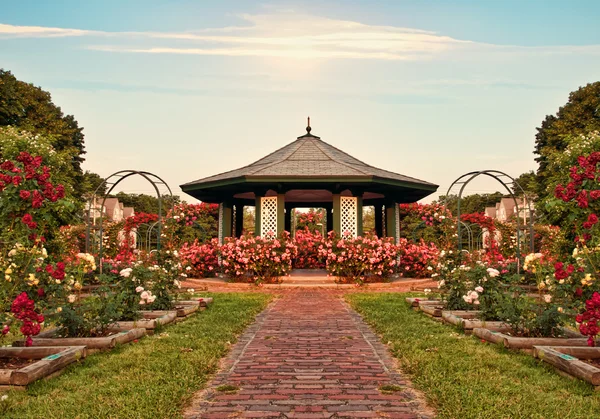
(580, 115)
(90, 182)
(147, 203)
(30, 108)
(470, 203)
(528, 182)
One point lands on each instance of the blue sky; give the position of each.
(186, 89)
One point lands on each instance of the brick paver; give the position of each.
(308, 356)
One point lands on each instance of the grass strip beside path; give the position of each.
(152, 378)
(465, 378)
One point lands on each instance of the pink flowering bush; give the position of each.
(360, 259)
(257, 259)
(417, 259)
(201, 258)
(310, 246)
(185, 223)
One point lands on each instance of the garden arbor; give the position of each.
(308, 173)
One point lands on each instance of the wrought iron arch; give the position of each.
(111, 183)
(465, 179)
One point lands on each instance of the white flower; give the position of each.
(441, 283)
(151, 299)
(493, 272)
(479, 289)
(426, 290)
(126, 272)
(547, 298)
(467, 299)
(72, 298)
(139, 289)
(3, 398)
(191, 290)
(144, 295)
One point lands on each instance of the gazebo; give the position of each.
(309, 173)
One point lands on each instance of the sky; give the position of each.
(187, 89)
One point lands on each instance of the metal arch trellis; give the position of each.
(111, 182)
(422, 225)
(499, 176)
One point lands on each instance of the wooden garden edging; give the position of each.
(49, 361)
(568, 359)
(48, 338)
(467, 320)
(513, 342)
(432, 310)
(150, 321)
(416, 302)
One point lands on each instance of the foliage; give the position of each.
(467, 379)
(416, 259)
(470, 203)
(187, 223)
(55, 164)
(147, 203)
(257, 259)
(27, 107)
(579, 116)
(153, 378)
(360, 259)
(528, 184)
(310, 246)
(202, 259)
(313, 220)
(28, 200)
(556, 210)
(432, 223)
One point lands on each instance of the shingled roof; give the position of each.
(308, 159)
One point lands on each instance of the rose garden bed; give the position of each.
(22, 366)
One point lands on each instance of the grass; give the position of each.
(464, 378)
(153, 378)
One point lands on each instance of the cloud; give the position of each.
(288, 35)
(12, 31)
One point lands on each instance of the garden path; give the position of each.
(308, 356)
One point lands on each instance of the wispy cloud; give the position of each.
(279, 34)
(285, 35)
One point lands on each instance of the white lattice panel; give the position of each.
(268, 216)
(349, 216)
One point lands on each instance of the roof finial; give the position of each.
(308, 126)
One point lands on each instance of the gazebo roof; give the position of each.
(307, 161)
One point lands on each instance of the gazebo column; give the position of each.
(378, 219)
(359, 215)
(392, 220)
(280, 213)
(225, 220)
(329, 217)
(288, 219)
(239, 219)
(257, 210)
(336, 219)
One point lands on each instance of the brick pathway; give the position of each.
(308, 356)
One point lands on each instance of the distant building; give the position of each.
(113, 210)
(506, 208)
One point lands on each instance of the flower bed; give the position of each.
(42, 363)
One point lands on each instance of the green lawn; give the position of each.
(152, 378)
(464, 378)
